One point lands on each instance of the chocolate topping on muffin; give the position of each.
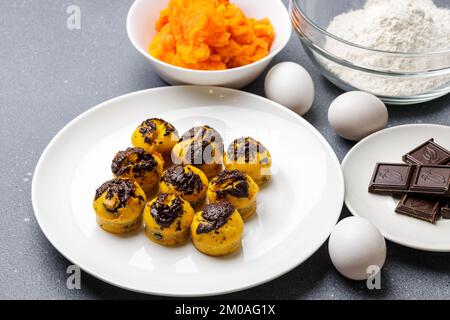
(235, 184)
(230, 176)
(201, 139)
(246, 148)
(165, 214)
(216, 216)
(169, 128)
(147, 128)
(141, 163)
(122, 188)
(187, 182)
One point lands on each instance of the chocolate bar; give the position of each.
(403, 178)
(424, 182)
(428, 153)
(445, 211)
(419, 207)
(391, 178)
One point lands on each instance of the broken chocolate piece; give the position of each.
(428, 153)
(419, 208)
(391, 177)
(431, 180)
(445, 211)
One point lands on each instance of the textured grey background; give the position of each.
(49, 75)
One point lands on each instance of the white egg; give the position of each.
(290, 85)
(356, 246)
(356, 114)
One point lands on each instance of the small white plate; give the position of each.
(389, 146)
(296, 210)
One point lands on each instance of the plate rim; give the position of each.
(105, 104)
(353, 211)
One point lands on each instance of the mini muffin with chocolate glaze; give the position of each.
(186, 181)
(156, 135)
(140, 166)
(201, 147)
(119, 204)
(168, 220)
(251, 157)
(217, 230)
(237, 188)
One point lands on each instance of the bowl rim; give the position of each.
(266, 59)
(295, 5)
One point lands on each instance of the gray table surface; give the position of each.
(50, 75)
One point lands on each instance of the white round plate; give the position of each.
(296, 210)
(389, 146)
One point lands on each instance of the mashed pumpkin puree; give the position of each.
(209, 35)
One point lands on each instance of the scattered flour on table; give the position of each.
(417, 26)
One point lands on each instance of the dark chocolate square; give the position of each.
(419, 208)
(391, 177)
(428, 153)
(432, 179)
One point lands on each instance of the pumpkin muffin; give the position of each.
(237, 188)
(251, 157)
(168, 220)
(217, 230)
(201, 147)
(186, 181)
(140, 166)
(156, 135)
(118, 204)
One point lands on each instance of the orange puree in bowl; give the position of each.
(209, 35)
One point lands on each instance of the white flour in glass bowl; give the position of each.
(404, 26)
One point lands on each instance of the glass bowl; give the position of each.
(398, 78)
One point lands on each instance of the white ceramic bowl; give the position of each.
(141, 31)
